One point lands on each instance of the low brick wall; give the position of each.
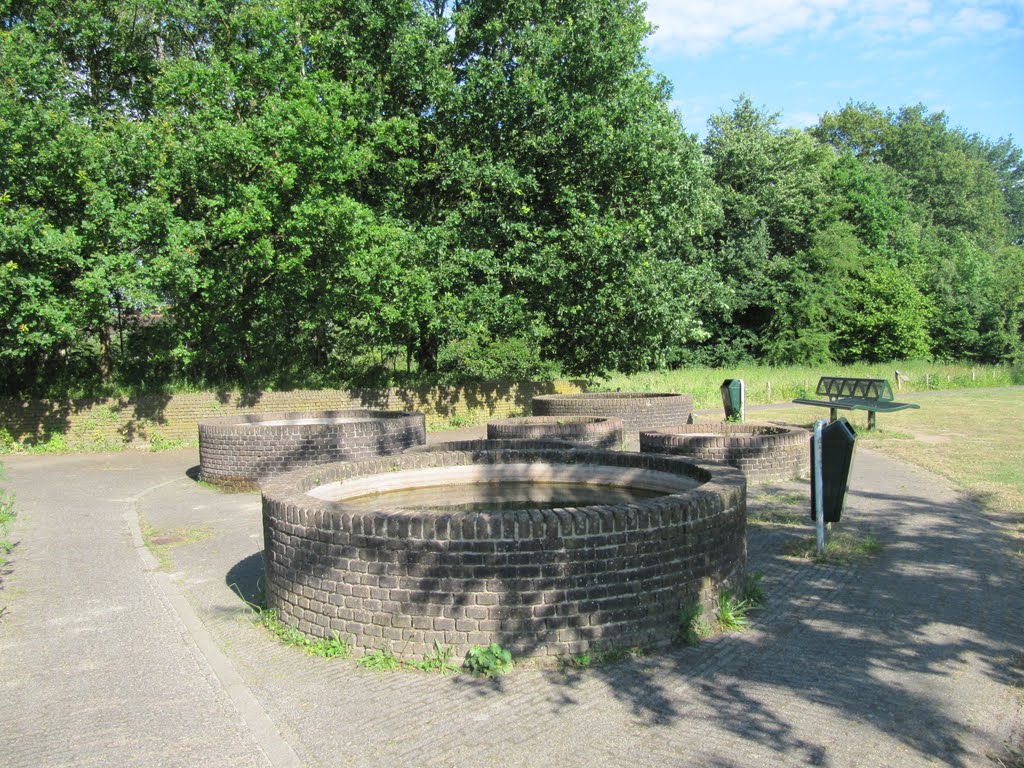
(145, 419)
(539, 582)
(240, 451)
(596, 431)
(638, 410)
(763, 452)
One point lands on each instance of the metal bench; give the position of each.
(871, 395)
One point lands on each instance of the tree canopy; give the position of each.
(284, 193)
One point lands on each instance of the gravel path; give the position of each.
(911, 659)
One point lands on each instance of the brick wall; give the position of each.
(238, 452)
(586, 430)
(637, 410)
(540, 582)
(763, 452)
(119, 421)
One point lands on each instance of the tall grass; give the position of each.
(765, 384)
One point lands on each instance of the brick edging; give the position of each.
(763, 452)
(638, 410)
(597, 431)
(237, 452)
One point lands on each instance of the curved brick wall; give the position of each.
(638, 410)
(540, 582)
(763, 452)
(600, 432)
(240, 451)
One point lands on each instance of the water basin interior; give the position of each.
(496, 497)
(497, 487)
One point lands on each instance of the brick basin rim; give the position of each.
(487, 474)
(293, 419)
(561, 421)
(293, 488)
(610, 396)
(724, 430)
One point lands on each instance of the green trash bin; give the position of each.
(733, 395)
(838, 441)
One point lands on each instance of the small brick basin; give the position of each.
(763, 452)
(596, 431)
(547, 552)
(638, 410)
(239, 452)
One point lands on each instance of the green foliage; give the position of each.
(452, 192)
(841, 548)
(333, 647)
(752, 593)
(380, 660)
(439, 660)
(489, 662)
(7, 515)
(732, 612)
(693, 624)
(600, 656)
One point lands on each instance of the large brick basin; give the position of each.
(638, 410)
(763, 452)
(540, 582)
(596, 431)
(239, 452)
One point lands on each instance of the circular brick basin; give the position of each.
(239, 452)
(538, 580)
(638, 410)
(763, 452)
(596, 431)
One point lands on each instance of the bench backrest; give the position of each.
(836, 387)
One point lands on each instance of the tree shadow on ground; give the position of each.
(868, 648)
(870, 645)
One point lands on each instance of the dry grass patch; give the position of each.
(161, 542)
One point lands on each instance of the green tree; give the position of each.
(771, 184)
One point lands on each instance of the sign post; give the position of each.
(819, 490)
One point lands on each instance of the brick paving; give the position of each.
(912, 659)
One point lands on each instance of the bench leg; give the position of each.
(833, 414)
(871, 421)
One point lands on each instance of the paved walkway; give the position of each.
(914, 659)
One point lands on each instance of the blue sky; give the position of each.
(805, 57)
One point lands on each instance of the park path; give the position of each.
(96, 667)
(912, 659)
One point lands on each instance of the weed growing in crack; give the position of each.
(732, 612)
(752, 593)
(693, 624)
(381, 660)
(841, 548)
(490, 661)
(440, 660)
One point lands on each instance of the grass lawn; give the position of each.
(975, 439)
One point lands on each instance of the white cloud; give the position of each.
(981, 20)
(695, 27)
(799, 119)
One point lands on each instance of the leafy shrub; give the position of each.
(490, 661)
